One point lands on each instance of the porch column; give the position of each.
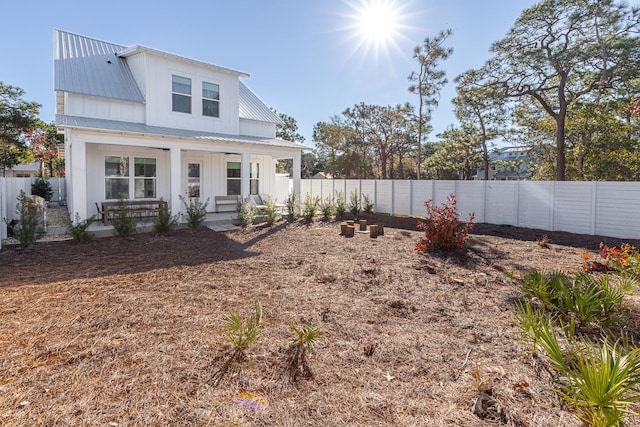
(244, 173)
(176, 181)
(297, 168)
(78, 168)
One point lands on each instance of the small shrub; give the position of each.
(41, 187)
(303, 344)
(29, 228)
(624, 261)
(240, 334)
(341, 207)
(367, 205)
(124, 221)
(271, 212)
(78, 229)
(293, 207)
(164, 223)
(246, 213)
(443, 231)
(354, 203)
(310, 207)
(327, 207)
(196, 211)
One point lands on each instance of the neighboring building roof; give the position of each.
(511, 153)
(101, 124)
(91, 67)
(251, 107)
(35, 166)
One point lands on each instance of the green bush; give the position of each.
(30, 225)
(327, 207)
(293, 207)
(123, 221)
(354, 203)
(341, 208)
(367, 206)
(271, 212)
(78, 229)
(246, 213)
(164, 223)
(41, 187)
(309, 208)
(196, 211)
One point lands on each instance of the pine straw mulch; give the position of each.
(121, 332)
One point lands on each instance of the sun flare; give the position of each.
(375, 26)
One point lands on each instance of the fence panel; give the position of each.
(470, 199)
(384, 196)
(421, 191)
(617, 208)
(534, 209)
(572, 207)
(402, 197)
(501, 202)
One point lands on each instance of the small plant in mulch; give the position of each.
(271, 213)
(78, 230)
(29, 228)
(443, 231)
(124, 221)
(240, 334)
(309, 207)
(624, 261)
(367, 205)
(545, 242)
(196, 211)
(245, 213)
(296, 365)
(293, 207)
(164, 223)
(354, 203)
(327, 207)
(341, 208)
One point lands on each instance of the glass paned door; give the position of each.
(193, 179)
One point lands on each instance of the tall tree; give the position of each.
(456, 154)
(333, 140)
(43, 142)
(428, 81)
(17, 117)
(481, 107)
(289, 130)
(561, 50)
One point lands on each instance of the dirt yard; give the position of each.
(131, 332)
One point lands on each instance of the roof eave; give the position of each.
(143, 49)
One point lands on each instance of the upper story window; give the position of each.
(210, 99)
(181, 91)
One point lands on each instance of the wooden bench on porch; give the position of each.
(226, 201)
(140, 208)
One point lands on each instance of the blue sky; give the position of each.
(305, 57)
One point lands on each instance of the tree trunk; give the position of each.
(560, 144)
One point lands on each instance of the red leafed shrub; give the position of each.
(443, 231)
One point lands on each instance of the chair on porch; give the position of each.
(257, 202)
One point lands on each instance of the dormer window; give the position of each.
(210, 99)
(181, 91)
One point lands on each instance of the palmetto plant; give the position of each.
(303, 344)
(242, 334)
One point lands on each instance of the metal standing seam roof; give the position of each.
(118, 126)
(251, 107)
(91, 67)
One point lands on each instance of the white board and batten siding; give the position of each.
(597, 208)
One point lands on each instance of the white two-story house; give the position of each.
(146, 124)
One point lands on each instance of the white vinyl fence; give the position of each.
(597, 208)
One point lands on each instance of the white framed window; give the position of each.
(234, 179)
(145, 178)
(181, 94)
(119, 180)
(116, 177)
(254, 178)
(193, 179)
(210, 99)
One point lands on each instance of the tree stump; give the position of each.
(343, 228)
(363, 225)
(373, 231)
(350, 222)
(380, 229)
(350, 231)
